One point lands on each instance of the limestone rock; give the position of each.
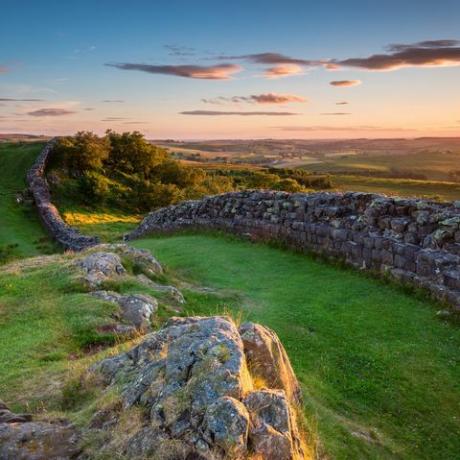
(272, 434)
(268, 360)
(142, 259)
(23, 439)
(193, 384)
(171, 291)
(136, 309)
(100, 266)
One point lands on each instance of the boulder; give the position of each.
(136, 309)
(171, 291)
(197, 394)
(23, 439)
(268, 360)
(100, 266)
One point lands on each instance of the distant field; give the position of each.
(444, 191)
(433, 165)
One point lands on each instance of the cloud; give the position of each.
(50, 112)
(342, 128)
(114, 119)
(11, 99)
(88, 109)
(345, 83)
(180, 50)
(336, 113)
(282, 70)
(113, 101)
(429, 53)
(424, 44)
(134, 123)
(214, 72)
(266, 98)
(244, 114)
(272, 59)
(4, 69)
(341, 103)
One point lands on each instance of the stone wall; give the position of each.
(414, 241)
(68, 237)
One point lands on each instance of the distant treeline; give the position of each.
(127, 172)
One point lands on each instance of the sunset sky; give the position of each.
(231, 69)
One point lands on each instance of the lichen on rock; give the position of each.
(191, 379)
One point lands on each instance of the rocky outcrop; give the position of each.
(412, 240)
(24, 439)
(196, 384)
(65, 235)
(136, 309)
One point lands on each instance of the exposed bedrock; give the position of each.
(205, 393)
(415, 241)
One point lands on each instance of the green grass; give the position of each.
(20, 228)
(380, 372)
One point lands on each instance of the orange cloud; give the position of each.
(345, 83)
(213, 72)
(282, 70)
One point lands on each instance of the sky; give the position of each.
(240, 69)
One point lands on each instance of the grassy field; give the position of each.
(438, 190)
(21, 234)
(380, 372)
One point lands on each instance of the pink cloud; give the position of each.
(345, 83)
(282, 70)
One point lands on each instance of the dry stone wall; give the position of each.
(415, 241)
(67, 236)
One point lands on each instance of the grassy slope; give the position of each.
(374, 362)
(19, 223)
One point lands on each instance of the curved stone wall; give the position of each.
(415, 241)
(67, 236)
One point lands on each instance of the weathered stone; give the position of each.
(268, 360)
(65, 235)
(136, 309)
(271, 434)
(170, 291)
(360, 228)
(192, 379)
(23, 439)
(100, 266)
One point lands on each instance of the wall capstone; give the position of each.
(415, 241)
(67, 236)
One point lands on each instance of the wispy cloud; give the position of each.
(345, 83)
(180, 50)
(266, 98)
(271, 58)
(4, 69)
(341, 103)
(50, 112)
(336, 114)
(114, 119)
(243, 114)
(343, 128)
(113, 101)
(429, 53)
(12, 99)
(213, 72)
